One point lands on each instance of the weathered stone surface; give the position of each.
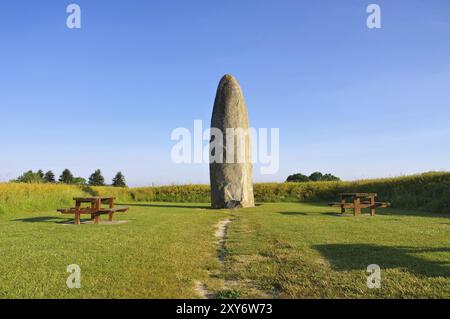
(231, 182)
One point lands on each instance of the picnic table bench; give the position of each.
(358, 201)
(95, 209)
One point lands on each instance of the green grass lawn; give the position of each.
(281, 250)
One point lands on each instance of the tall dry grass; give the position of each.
(427, 192)
(16, 198)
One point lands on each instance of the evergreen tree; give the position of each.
(96, 179)
(49, 177)
(66, 177)
(119, 180)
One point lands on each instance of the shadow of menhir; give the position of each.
(334, 214)
(358, 256)
(169, 205)
(293, 213)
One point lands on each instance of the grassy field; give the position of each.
(309, 251)
(276, 250)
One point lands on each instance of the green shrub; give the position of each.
(297, 178)
(30, 177)
(314, 177)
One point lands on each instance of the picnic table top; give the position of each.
(89, 199)
(357, 194)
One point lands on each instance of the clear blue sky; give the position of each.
(348, 100)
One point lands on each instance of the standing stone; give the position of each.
(232, 178)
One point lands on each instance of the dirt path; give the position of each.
(220, 234)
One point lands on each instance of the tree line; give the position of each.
(314, 177)
(66, 177)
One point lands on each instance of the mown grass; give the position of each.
(280, 250)
(159, 253)
(309, 251)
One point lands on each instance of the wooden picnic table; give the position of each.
(95, 209)
(357, 201)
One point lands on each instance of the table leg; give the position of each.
(372, 206)
(342, 204)
(77, 215)
(98, 204)
(357, 206)
(92, 207)
(111, 205)
(77, 219)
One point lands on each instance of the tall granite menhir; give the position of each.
(231, 181)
